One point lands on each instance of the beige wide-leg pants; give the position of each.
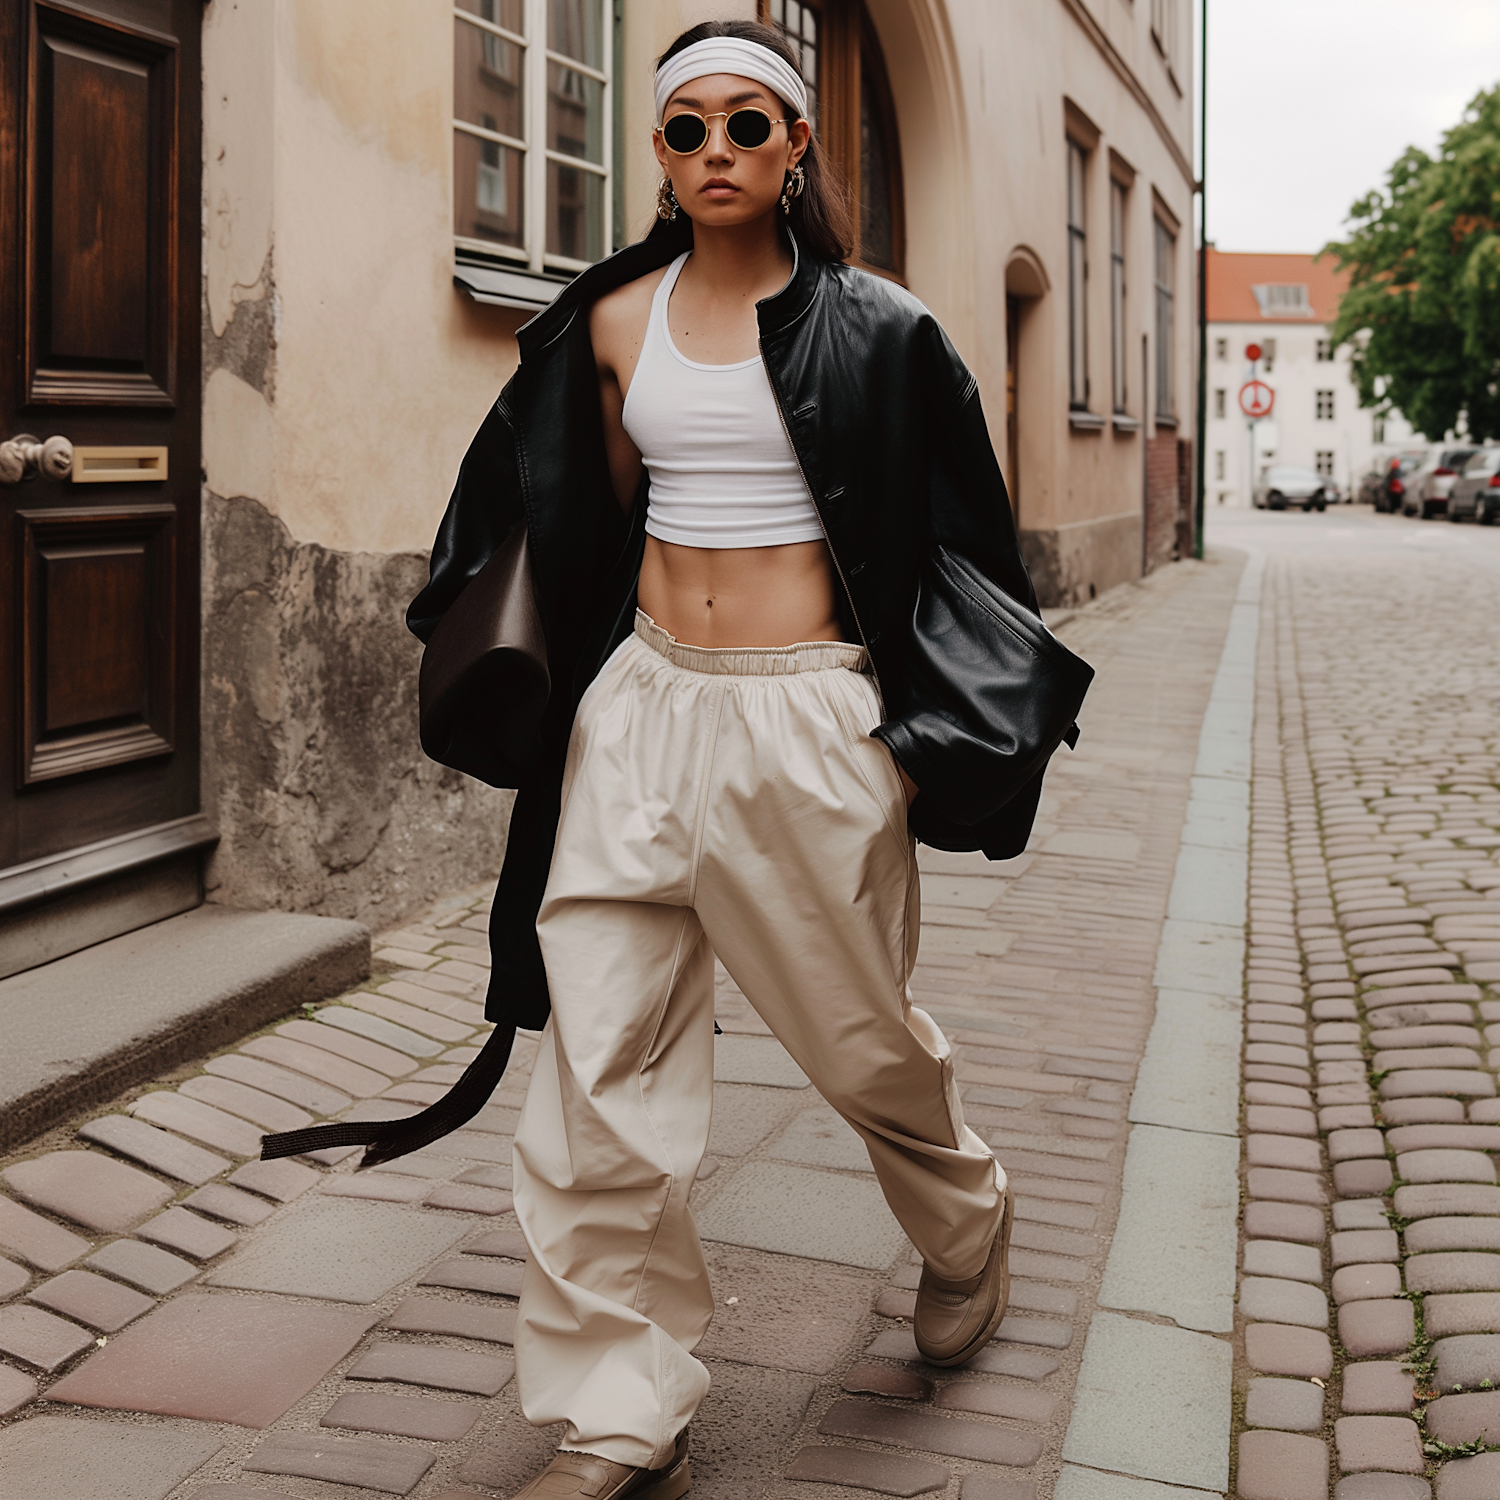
(729, 802)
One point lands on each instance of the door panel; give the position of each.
(99, 299)
(97, 604)
(101, 161)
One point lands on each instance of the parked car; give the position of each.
(1427, 487)
(1369, 483)
(1283, 485)
(1476, 492)
(1391, 492)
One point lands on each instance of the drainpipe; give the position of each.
(1200, 456)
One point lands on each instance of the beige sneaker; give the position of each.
(585, 1476)
(954, 1320)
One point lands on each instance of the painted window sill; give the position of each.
(1085, 421)
(499, 286)
(1123, 423)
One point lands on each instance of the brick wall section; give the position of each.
(1162, 501)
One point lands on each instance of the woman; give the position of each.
(767, 538)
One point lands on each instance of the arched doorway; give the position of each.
(1025, 285)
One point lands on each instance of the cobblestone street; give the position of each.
(1190, 1315)
(1368, 1294)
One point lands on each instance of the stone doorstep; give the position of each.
(179, 989)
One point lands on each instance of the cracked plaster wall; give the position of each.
(344, 376)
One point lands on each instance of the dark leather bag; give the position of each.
(483, 687)
(484, 681)
(991, 684)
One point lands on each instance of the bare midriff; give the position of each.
(740, 596)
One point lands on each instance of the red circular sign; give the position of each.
(1252, 351)
(1256, 398)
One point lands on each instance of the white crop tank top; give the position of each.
(722, 470)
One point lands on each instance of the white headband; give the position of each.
(730, 54)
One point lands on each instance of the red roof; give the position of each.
(1232, 278)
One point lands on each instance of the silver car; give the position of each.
(1285, 485)
(1476, 492)
(1427, 488)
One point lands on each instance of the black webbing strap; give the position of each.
(385, 1140)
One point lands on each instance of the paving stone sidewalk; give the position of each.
(178, 1319)
(1369, 1298)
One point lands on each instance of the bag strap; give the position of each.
(385, 1140)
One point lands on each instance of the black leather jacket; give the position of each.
(886, 424)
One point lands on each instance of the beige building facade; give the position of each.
(381, 192)
(390, 186)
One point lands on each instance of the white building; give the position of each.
(1285, 304)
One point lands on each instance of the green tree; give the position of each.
(1422, 310)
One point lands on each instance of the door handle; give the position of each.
(24, 454)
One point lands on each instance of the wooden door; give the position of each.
(99, 319)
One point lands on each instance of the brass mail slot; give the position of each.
(113, 465)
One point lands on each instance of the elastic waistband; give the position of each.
(750, 661)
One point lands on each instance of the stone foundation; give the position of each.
(313, 774)
(1075, 563)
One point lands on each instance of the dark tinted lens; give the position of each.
(685, 134)
(748, 128)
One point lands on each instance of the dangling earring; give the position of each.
(666, 201)
(796, 183)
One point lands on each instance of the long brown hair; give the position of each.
(820, 217)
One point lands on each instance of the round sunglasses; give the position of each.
(686, 134)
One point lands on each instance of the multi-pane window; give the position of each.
(1283, 298)
(800, 24)
(1325, 406)
(1221, 349)
(1117, 202)
(1078, 347)
(1377, 429)
(1267, 355)
(1220, 402)
(531, 147)
(850, 106)
(1324, 462)
(1218, 463)
(1325, 351)
(1166, 255)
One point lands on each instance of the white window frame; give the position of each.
(1077, 179)
(1119, 219)
(534, 255)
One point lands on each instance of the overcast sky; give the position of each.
(1310, 101)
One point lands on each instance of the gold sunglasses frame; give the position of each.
(724, 115)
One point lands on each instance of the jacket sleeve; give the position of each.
(961, 729)
(485, 505)
(969, 509)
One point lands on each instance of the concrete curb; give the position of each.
(1151, 1418)
(79, 1030)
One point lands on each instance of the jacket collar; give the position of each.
(774, 313)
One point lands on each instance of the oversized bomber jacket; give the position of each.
(886, 424)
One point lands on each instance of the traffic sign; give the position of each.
(1252, 352)
(1256, 399)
